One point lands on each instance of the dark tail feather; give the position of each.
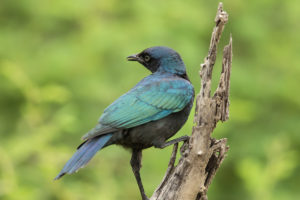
(84, 154)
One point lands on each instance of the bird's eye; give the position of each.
(147, 58)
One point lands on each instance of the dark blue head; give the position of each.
(160, 58)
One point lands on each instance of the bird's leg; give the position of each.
(135, 162)
(171, 142)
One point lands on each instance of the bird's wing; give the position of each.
(149, 101)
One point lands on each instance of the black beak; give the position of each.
(133, 57)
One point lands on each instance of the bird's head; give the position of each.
(160, 58)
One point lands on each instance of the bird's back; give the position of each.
(174, 111)
(153, 98)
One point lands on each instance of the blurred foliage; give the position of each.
(62, 62)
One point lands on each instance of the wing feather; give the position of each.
(152, 99)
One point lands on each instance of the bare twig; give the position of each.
(169, 170)
(203, 155)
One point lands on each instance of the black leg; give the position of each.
(135, 162)
(171, 142)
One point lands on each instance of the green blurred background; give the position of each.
(62, 62)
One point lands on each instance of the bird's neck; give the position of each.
(164, 73)
(172, 65)
(185, 76)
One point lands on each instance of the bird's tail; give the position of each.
(84, 154)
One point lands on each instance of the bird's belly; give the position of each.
(154, 133)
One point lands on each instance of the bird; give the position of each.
(146, 116)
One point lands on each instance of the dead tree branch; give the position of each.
(202, 155)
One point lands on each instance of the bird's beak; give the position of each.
(133, 57)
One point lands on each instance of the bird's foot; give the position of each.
(171, 142)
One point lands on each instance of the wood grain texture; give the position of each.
(202, 155)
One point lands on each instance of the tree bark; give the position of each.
(202, 155)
